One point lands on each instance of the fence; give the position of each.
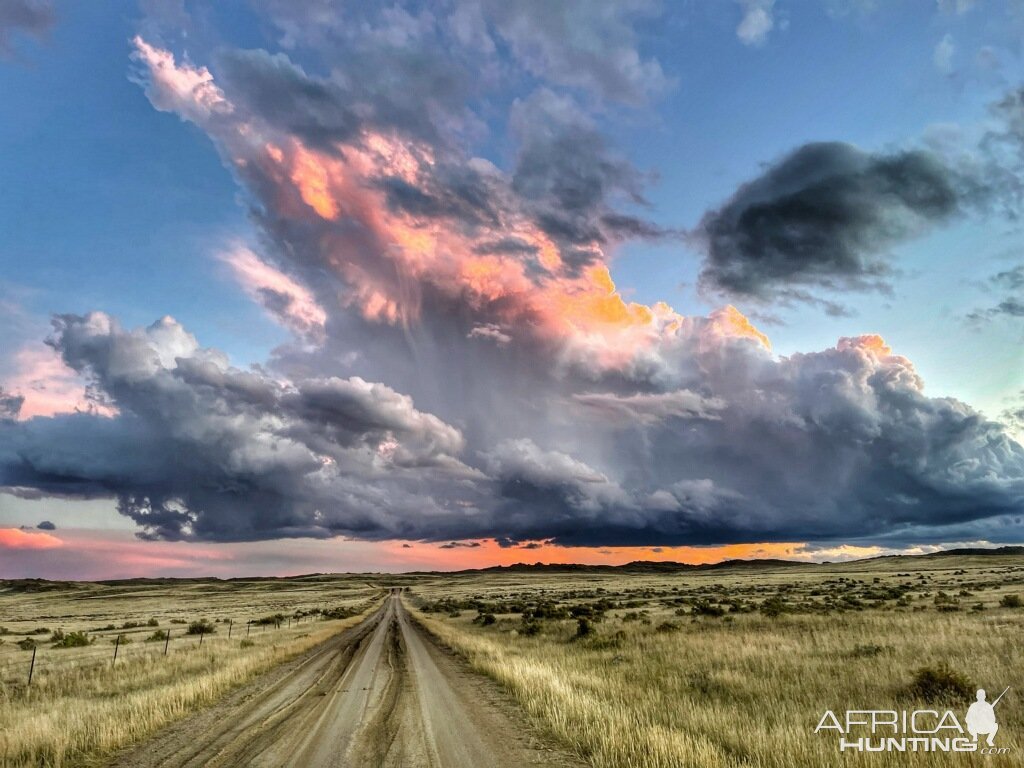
(144, 644)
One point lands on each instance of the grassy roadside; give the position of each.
(79, 716)
(660, 687)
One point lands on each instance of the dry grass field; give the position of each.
(735, 667)
(628, 668)
(82, 705)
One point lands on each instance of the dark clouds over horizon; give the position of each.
(463, 366)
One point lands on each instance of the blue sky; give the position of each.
(121, 207)
(124, 197)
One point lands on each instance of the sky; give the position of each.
(435, 285)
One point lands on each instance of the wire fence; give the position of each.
(138, 643)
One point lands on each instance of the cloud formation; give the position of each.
(822, 217)
(463, 366)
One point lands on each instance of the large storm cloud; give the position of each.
(463, 365)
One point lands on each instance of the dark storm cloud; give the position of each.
(203, 450)
(10, 405)
(28, 17)
(460, 545)
(823, 217)
(570, 178)
(46, 525)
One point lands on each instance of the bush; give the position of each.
(773, 607)
(124, 640)
(247, 643)
(153, 623)
(130, 625)
(201, 627)
(583, 627)
(158, 636)
(1011, 601)
(531, 628)
(27, 644)
(705, 608)
(70, 640)
(485, 619)
(940, 683)
(667, 626)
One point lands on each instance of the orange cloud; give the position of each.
(16, 538)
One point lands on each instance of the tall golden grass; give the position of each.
(745, 691)
(80, 707)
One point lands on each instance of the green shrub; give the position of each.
(583, 627)
(153, 623)
(71, 640)
(940, 683)
(27, 644)
(247, 643)
(773, 607)
(201, 627)
(1011, 601)
(157, 636)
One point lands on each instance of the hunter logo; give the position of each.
(919, 730)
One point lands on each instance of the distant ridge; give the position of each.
(637, 567)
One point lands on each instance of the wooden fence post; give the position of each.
(32, 666)
(117, 644)
(231, 624)
(167, 640)
(200, 637)
(248, 625)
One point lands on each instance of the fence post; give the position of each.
(167, 640)
(248, 625)
(231, 624)
(200, 637)
(32, 666)
(117, 644)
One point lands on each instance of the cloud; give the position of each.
(958, 7)
(943, 55)
(574, 44)
(34, 18)
(820, 218)
(292, 304)
(757, 22)
(46, 525)
(458, 544)
(1009, 282)
(17, 539)
(10, 405)
(475, 375)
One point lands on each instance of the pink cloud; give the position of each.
(48, 385)
(16, 538)
(292, 303)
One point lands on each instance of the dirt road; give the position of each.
(379, 694)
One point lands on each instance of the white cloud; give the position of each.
(757, 22)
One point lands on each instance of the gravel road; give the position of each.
(379, 694)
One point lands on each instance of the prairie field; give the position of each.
(650, 665)
(82, 704)
(736, 666)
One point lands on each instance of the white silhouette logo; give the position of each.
(919, 730)
(981, 717)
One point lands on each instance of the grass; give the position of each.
(80, 707)
(662, 679)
